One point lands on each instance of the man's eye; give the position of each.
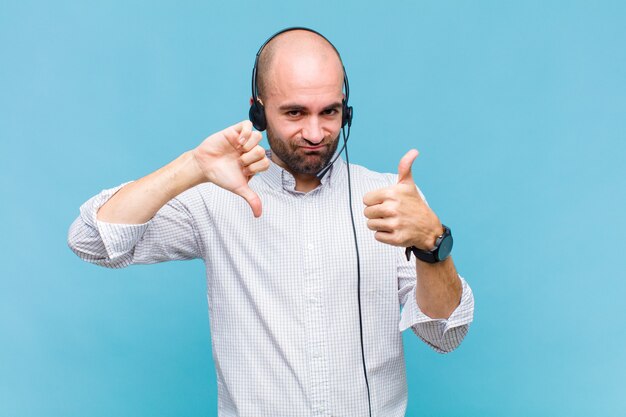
(330, 112)
(293, 113)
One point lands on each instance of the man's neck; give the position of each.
(304, 182)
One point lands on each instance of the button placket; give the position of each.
(316, 320)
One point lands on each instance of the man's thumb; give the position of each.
(252, 198)
(404, 167)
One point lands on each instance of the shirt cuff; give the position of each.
(118, 239)
(412, 316)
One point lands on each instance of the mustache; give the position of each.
(325, 142)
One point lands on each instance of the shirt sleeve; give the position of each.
(443, 335)
(169, 235)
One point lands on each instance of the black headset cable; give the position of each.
(358, 272)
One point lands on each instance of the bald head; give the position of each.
(296, 51)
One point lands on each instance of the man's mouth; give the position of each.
(313, 148)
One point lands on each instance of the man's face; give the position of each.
(303, 110)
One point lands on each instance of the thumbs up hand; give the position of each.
(229, 158)
(399, 215)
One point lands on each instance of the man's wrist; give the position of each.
(180, 175)
(438, 232)
(192, 166)
(438, 252)
(430, 242)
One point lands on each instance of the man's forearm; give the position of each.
(140, 200)
(438, 291)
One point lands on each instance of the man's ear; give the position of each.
(251, 101)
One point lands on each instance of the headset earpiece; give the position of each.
(257, 116)
(346, 114)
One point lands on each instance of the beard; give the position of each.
(299, 160)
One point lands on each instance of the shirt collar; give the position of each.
(278, 177)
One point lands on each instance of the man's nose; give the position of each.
(312, 131)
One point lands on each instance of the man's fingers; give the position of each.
(377, 196)
(237, 135)
(385, 237)
(252, 141)
(378, 211)
(380, 225)
(252, 198)
(254, 155)
(244, 136)
(256, 167)
(404, 167)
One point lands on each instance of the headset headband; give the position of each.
(346, 85)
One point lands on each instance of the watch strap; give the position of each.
(430, 257)
(422, 255)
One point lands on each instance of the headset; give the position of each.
(257, 111)
(259, 121)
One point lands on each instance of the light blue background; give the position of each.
(518, 110)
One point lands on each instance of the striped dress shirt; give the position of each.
(282, 292)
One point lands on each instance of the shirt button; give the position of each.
(310, 246)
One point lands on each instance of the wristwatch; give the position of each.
(443, 247)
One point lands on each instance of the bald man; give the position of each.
(281, 279)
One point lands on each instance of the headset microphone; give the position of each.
(345, 136)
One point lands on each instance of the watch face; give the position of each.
(445, 248)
